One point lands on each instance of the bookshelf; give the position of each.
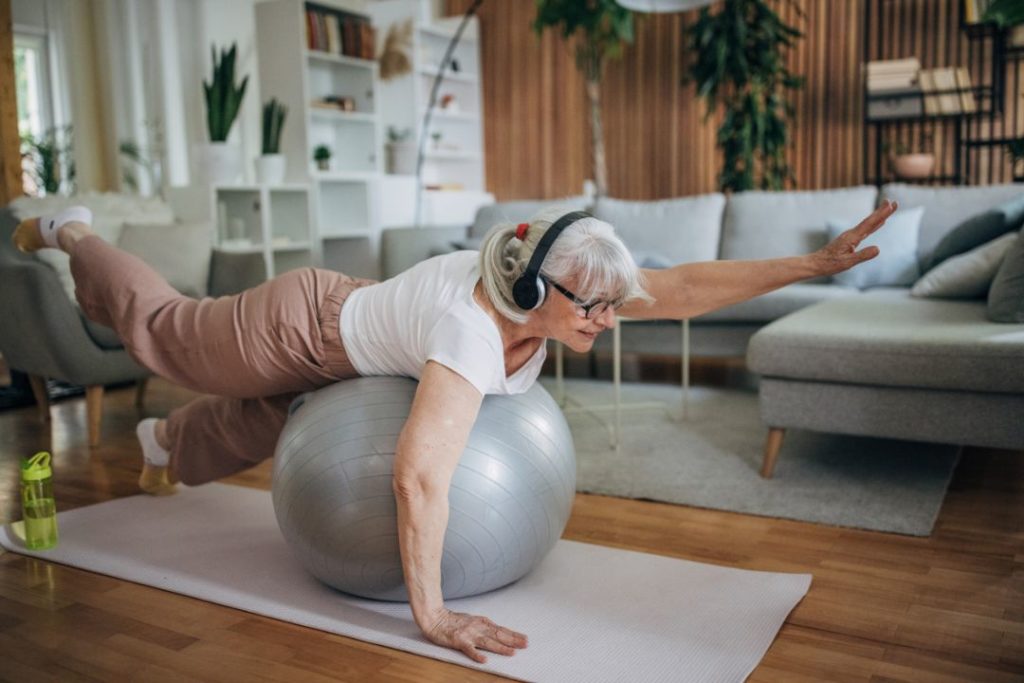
(939, 106)
(270, 221)
(317, 59)
(454, 165)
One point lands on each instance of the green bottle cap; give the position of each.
(37, 467)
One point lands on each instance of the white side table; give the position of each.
(617, 406)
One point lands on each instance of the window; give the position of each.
(32, 87)
(46, 163)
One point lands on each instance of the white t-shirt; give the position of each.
(428, 313)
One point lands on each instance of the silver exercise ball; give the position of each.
(509, 501)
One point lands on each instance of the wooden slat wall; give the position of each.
(658, 142)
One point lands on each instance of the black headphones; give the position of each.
(529, 290)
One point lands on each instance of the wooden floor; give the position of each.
(881, 607)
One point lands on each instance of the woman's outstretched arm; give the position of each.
(430, 445)
(692, 289)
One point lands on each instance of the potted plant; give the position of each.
(740, 63)
(222, 161)
(910, 164)
(401, 151)
(50, 163)
(322, 156)
(270, 165)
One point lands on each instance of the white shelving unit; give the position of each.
(343, 206)
(456, 160)
(272, 221)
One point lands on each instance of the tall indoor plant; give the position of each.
(739, 63)
(223, 101)
(604, 26)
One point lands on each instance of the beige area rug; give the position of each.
(713, 460)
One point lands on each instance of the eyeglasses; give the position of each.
(588, 311)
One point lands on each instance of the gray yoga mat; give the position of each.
(592, 613)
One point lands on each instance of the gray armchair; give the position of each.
(45, 336)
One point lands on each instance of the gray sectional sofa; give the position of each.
(874, 362)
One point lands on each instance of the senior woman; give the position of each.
(465, 324)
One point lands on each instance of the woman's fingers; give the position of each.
(875, 220)
(513, 638)
(474, 654)
(494, 645)
(866, 254)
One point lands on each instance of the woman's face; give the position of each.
(564, 320)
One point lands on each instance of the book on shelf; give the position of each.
(974, 10)
(931, 102)
(333, 35)
(1016, 38)
(888, 66)
(963, 83)
(340, 33)
(892, 74)
(945, 85)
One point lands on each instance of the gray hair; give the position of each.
(588, 249)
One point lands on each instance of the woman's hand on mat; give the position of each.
(841, 253)
(470, 634)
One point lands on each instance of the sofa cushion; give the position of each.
(946, 207)
(178, 251)
(965, 276)
(896, 263)
(674, 230)
(518, 211)
(760, 225)
(774, 305)
(978, 230)
(1006, 297)
(886, 337)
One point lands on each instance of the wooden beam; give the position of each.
(10, 142)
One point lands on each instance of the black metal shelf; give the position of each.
(916, 181)
(991, 142)
(928, 117)
(977, 91)
(964, 127)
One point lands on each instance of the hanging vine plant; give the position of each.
(739, 64)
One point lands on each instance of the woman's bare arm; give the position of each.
(429, 447)
(692, 289)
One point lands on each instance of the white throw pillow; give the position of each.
(896, 264)
(966, 276)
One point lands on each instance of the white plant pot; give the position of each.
(219, 163)
(402, 158)
(270, 169)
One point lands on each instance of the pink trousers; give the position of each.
(253, 351)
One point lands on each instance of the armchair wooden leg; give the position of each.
(94, 412)
(42, 397)
(140, 392)
(771, 451)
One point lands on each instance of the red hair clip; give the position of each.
(521, 230)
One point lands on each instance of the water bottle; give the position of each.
(37, 503)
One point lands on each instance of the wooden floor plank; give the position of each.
(882, 607)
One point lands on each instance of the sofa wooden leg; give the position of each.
(42, 397)
(140, 392)
(94, 412)
(771, 451)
